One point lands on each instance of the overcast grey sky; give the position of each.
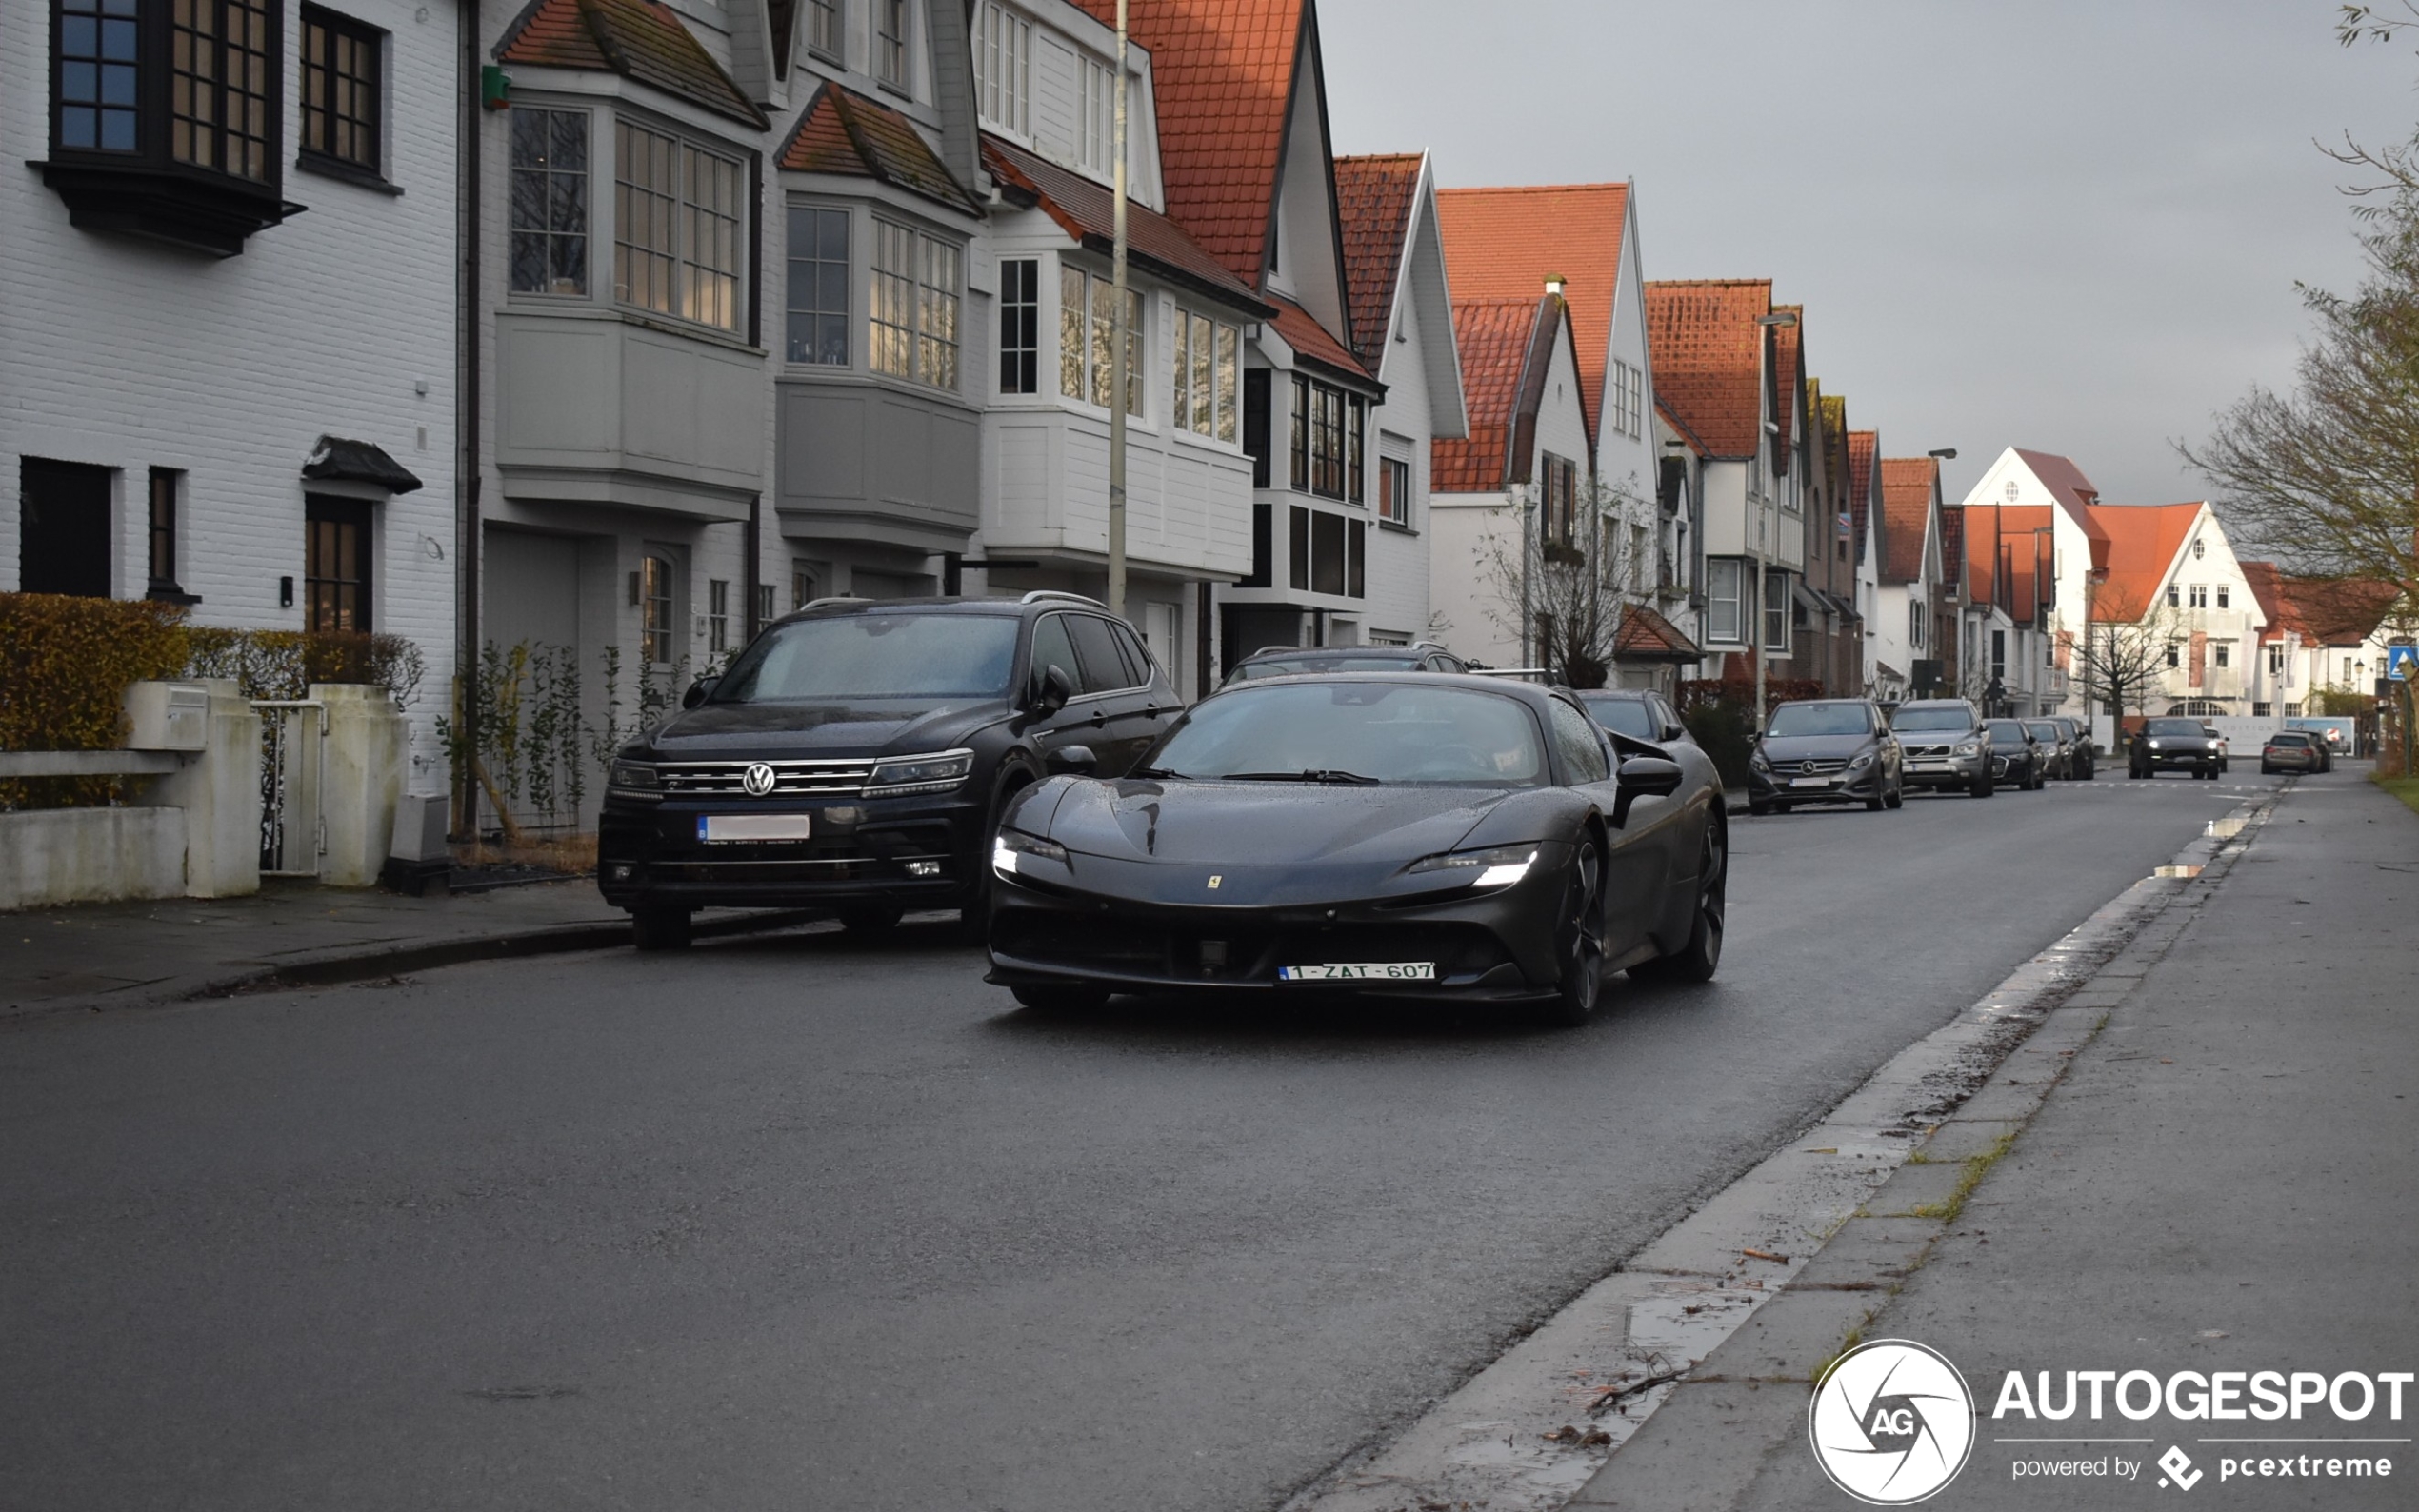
(2069, 225)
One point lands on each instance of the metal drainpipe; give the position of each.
(469, 401)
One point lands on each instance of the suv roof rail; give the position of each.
(836, 598)
(1059, 596)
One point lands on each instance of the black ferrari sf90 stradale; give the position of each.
(1415, 835)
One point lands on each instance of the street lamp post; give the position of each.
(1118, 377)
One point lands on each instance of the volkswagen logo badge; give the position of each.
(1804, 767)
(757, 779)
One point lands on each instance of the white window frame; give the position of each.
(915, 313)
(1085, 305)
(1205, 376)
(1775, 610)
(826, 27)
(893, 47)
(1003, 69)
(1096, 115)
(1717, 599)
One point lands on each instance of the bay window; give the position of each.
(1329, 425)
(819, 280)
(676, 211)
(1087, 312)
(917, 300)
(548, 217)
(1723, 617)
(1020, 302)
(1206, 356)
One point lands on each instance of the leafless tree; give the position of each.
(1562, 599)
(2122, 659)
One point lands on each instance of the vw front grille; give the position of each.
(843, 778)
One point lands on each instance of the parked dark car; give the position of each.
(1396, 835)
(2084, 761)
(2015, 756)
(2326, 739)
(2173, 743)
(2298, 750)
(857, 756)
(1944, 745)
(1824, 750)
(1637, 712)
(1295, 661)
(2057, 746)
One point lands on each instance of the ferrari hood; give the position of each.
(1266, 843)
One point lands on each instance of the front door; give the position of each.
(63, 545)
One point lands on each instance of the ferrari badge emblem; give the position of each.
(1214, 880)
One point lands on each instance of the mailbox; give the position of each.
(167, 716)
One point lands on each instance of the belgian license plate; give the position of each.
(1927, 767)
(1361, 971)
(1809, 782)
(722, 830)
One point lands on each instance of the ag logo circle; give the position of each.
(757, 779)
(1891, 1422)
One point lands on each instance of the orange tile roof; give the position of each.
(842, 132)
(2323, 612)
(1907, 487)
(1706, 355)
(1223, 71)
(2010, 526)
(2073, 490)
(1373, 199)
(2143, 540)
(1647, 636)
(1495, 336)
(1505, 243)
(639, 39)
(1085, 210)
(1312, 342)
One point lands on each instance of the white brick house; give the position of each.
(192, 310)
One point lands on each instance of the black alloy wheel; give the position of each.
(660, 928)
(1897, 798)
(1982, 786)
(1583, 941)
(1701, 956)
(1879, 800)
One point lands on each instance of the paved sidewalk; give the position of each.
(130, 954)
(2222, 1179)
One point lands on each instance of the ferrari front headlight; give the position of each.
(1499, 867)
(1013, 850)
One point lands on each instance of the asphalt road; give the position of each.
(800, 1223)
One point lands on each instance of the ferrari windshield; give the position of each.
(1388, 732)
(867, 656)
(1821, 718)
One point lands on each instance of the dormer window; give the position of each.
(1096, 121)
(823, 27)
(165, 118)
(890, 42)
(1003, 68)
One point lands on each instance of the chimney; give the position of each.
(1553, 285)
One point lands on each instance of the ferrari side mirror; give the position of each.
(1643, 777)
(1076, 760)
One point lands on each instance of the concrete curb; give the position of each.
(333, 967)
(1748, 1395)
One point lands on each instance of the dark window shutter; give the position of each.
(1255, 437)
(1263, 547)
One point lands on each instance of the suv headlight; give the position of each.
(1755, 759)
(634, 777)
(2155, 745)
(1862, 762)
(1013, 850)
(919, 774)
(1970, 748)
(1499, 867)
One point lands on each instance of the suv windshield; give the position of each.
(1950, 718)
(2043, 731)
(1297, 665)
(861, 656)
(1820, 719)
(1390, 732)
(1623, 716)
(2175, 726)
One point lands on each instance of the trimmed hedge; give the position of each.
(65, 665)
(284, 664)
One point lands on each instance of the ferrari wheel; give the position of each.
(1697, 960)
(1061, 996)
(1583, 946)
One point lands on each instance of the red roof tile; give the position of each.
(2323, 612)
(1953, 551)
(1495, 336)
(2143, 541)
(1312, 342)
(1505, 243)
(1223, 71)
(843, 131)
(1645, 635)
(1863, 446)
(1085, 210)
(2073, 490)
(1908, 484)
(1374, 200)
(1706, 355)
(639, 39)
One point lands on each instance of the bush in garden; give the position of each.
(64, 666)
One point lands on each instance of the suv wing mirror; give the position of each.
(1053, 687)
(698, 693)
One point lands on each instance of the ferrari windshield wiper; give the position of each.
(1327, 774)
(1152, 771)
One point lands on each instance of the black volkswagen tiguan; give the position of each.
(856, 755)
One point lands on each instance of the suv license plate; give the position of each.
(1362, 971)
(720, 829)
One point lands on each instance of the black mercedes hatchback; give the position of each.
(857, 754)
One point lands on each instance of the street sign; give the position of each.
(2401, 661)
